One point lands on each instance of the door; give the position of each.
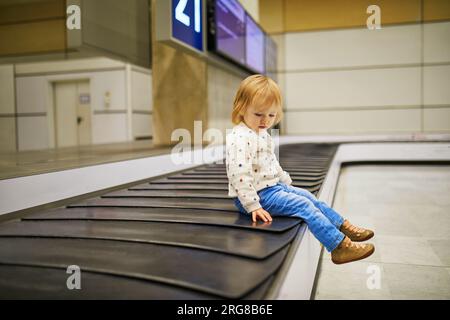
(73, 125)
(84, 114)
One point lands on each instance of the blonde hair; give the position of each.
(256, 90)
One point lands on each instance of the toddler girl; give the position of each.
(260, 186)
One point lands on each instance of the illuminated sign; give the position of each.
(230, 32)
(254, 49)
(180, 23)
(187, 22)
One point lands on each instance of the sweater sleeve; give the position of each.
(239, 157)
(283, 175)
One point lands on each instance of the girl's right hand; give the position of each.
(262, 214)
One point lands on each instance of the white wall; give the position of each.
(32, 132)
(142, 102)
(252, 7)
(364, 81)
(222, 87)
(7, 109)
(109, 121)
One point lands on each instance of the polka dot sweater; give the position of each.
(251, 165)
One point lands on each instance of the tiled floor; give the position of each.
(24, 163)
(408, 207)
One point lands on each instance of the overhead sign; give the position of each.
(181, 23)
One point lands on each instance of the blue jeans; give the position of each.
(289, 201)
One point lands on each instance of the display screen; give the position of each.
(255, 50)
(230, 29)
(187, 22)
(271, 57)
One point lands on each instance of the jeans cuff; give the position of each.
(336, 242)
(339, 223)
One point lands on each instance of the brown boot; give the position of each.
(355, 233)
(348, 251)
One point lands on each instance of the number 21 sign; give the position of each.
(181, 23)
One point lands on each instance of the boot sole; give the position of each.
(362, 240)
(368, 254)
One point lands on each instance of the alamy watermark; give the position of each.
(374, 280)
(73, 21)
(374, 21)
(190, 150)
(74, 280)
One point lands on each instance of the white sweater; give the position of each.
(251, 165)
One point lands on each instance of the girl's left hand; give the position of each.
(262, 214)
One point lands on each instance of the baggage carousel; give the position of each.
(173, 237)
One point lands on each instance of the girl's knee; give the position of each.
(288, 203)
(305, 205)
(309, 213)
(303, 192)
(310, 196)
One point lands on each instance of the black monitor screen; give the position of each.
(254, 46)
(230, 29)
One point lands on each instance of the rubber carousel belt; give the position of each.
(229, 219)
(219, 174)
(203, 186)
(211, 272)
(291, 170)
(211, 194)
(224, 181)
(187, 186)
(224, 177)
(95, 286)
(179, 237)
(247, 243)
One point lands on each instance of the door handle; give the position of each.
(79, 119)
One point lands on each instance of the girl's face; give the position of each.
(259, 119)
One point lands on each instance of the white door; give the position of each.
(72, 113)
(84, 113)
